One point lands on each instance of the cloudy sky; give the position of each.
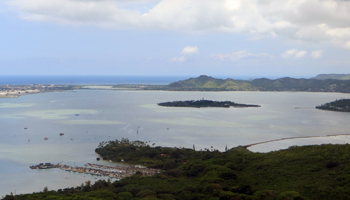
(271, 38)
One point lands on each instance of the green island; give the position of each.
(205, 103)
(342, 105)
(297, 173)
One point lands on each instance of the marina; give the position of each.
(117, 172)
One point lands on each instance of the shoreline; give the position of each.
(15, 91)
(117, 172)
(291, 138)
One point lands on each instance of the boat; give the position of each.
(25, 128)
(61, 134)
(46, 138)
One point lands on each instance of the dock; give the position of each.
(117, 172)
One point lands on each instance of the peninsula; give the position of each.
(205, 103)
(11, 91)
(342, 105)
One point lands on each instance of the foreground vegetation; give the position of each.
(342, 105)
(308, 172)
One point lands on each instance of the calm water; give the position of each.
(108, 115)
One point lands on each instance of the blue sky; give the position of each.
(249, 38)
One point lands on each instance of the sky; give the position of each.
(233, 38)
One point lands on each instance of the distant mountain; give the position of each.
(333, 76)
(204, 82)
(208, 83)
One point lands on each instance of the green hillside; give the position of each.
(307, 172)
(204, 82)
(263, 84)
(333, 76)
(342, 105)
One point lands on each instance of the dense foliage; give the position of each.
(308, 172)
(263, 84)
(342, 105)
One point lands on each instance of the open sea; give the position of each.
(105, 115)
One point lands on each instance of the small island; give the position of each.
(342, 105)
(205, 103)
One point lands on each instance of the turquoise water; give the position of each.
(108, 115)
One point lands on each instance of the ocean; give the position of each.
(101, 80)
(89, 80)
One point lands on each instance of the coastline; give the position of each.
(15, 91)
(285, 143)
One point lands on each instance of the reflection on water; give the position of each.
(16, 105)
(96, 122)
(199, 122)
(90, 117)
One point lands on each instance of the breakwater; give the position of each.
(291, 138)
(117, 172)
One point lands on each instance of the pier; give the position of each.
(117, 172)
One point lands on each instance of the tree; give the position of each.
(125, 196)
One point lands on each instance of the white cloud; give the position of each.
(316, 20)
(237, 55)
(347, 44)
(190, 50)
(187, 53)
(300, 54)
(317, 54)
(294, 53)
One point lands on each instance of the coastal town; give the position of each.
(13, 91)
(117, 172)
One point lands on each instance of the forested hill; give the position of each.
(204, 82)
(342, 105)
(208, 83)
(333, 76)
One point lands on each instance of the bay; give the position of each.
(92, 116)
